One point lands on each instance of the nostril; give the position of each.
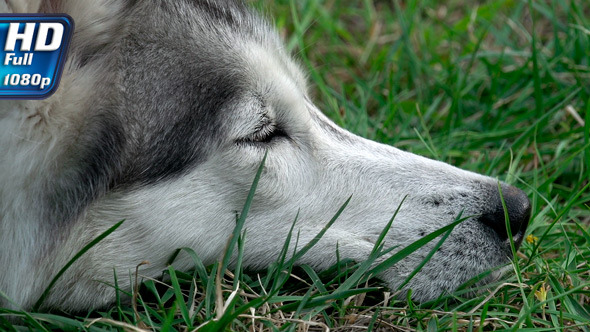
(518, 207)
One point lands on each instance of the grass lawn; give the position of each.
(496, 87)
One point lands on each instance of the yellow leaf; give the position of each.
(541, 293)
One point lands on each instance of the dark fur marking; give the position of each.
(71, 188)
(157, 126)
(175, 118)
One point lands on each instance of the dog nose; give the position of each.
(518, 207)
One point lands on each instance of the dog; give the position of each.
(164, 113)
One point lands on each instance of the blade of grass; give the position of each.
(72, 261)
(242, 218)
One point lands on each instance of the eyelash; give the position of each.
(264, 135)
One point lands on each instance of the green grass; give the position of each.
(497, 87)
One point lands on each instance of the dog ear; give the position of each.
(29, 6)
(20, 6)
(97, 22)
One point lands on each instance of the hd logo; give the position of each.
(33, 50)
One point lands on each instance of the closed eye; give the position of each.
(265, 135)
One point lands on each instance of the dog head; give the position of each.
(165, 112)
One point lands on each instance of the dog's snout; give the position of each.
(518, 207)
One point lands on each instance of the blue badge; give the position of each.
(33, 50)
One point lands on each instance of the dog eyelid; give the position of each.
(265, 132)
